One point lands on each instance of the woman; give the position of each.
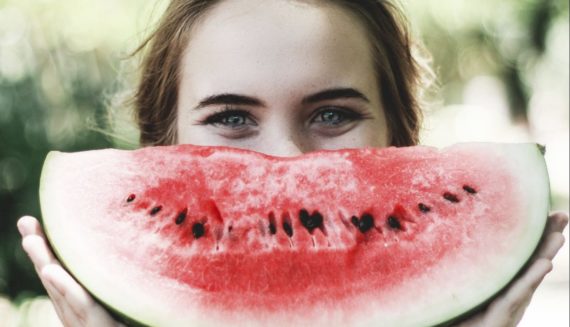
(283, 77)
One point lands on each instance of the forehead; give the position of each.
(241, 45)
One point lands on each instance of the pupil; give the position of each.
(235, 120)
(330, 117)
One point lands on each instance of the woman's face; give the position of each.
(279, 77)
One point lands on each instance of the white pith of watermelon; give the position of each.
(98, 212)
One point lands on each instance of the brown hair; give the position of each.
(400, 74)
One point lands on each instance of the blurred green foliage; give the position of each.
(55, 80)
(60, 62)
(505, 39)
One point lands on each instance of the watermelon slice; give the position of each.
(209, 236)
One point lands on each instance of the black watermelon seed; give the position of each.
(355, 221)
(198, 230)
(310, 222)
(450, 197)
(155, 210)
(469, 189)
(394, 222)
(317, 219)
(424, 208)
(366, 223)
(288, 229)
(131, 198)
(272, 228)
(181, 217)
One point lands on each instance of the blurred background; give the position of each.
(503, 76)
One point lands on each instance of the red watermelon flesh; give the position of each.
(206, 236)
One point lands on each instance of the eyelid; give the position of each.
(350, 114)
(228, 110)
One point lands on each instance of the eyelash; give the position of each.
(228, 111)
(218, 117)
(346, 114)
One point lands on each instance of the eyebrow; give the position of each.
(333, 94)
(238, 99)
(230, 99)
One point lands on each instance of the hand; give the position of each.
(74, 306)
(507, 310)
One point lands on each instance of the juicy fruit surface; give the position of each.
(345, 237)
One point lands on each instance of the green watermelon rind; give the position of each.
(114, 312)
(540, 152)
(535, 165)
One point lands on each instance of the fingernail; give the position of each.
(21, 228)
(23, 225)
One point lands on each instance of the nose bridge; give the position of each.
(289, 148)
(285, 140)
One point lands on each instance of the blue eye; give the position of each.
(230, 118)
(332, 117)
(234, 120)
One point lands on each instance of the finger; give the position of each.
(528, 283)
(556, 222)
(56, 307)
(81, 306)
(506, 309)
(550, 246)
(65, 314)
(518, 312)
(37, 249)
(28, 225)
(73, 294)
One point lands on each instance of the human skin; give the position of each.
(256, 50)
(253, 77)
